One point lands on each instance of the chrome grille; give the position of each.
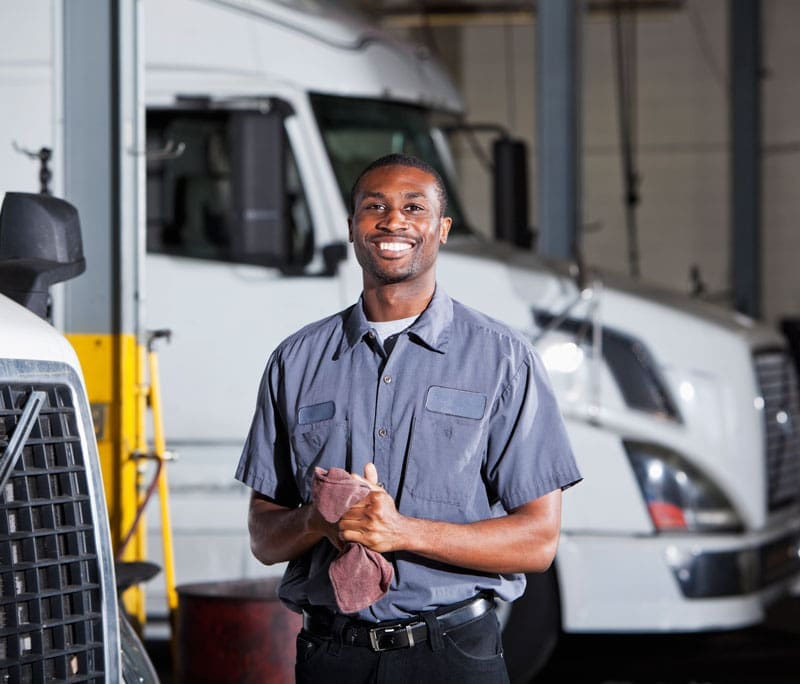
(51, 622)
(777, 381)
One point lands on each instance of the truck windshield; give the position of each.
(358, 131)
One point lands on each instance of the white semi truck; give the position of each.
(60, 618)
(683, 415)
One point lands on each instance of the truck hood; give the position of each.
(705, 354)
(26, 336)
(549, 285)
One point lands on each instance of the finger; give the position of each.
(374, 486)
(371, 473)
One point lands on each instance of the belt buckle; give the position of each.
(376, 635)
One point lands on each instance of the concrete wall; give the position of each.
(30, 56)
(683, 139)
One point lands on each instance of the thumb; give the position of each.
(371, 473)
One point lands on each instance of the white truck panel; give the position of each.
(626, 584)
(26, 336)
(315, 52)
(608, 499)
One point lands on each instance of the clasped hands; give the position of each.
(373, 522)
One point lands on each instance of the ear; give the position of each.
(445, 224)
(349, 228)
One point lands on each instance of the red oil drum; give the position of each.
(234, 631)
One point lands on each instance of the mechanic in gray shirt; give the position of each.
(448, 415)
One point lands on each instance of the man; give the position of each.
(448, 416)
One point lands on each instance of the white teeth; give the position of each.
(394, 246)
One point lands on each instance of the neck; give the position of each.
(397, 300)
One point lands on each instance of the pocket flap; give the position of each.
(316, 413)
(455, 402)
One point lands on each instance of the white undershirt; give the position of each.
(385, 329)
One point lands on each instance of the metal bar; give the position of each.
(27, 420)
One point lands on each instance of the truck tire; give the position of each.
(533, 628)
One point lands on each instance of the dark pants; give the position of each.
(471, 653)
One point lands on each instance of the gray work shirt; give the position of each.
(459, 419)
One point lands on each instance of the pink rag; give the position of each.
(359, 575)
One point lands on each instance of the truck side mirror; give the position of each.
(332, 256)
(510, 181)
(40, 244)
(260, 233)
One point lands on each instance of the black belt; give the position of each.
(386, 636)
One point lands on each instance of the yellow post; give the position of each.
(112, 367)
(160, 449)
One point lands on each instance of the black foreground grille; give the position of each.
(51, 626)
(777, 380)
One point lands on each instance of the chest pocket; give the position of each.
(318, 440)
(446, 451)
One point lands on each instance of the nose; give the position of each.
(394, 220)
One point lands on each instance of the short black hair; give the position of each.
(397, 159)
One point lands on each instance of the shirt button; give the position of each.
(383, 432)
(387, 379)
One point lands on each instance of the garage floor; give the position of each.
(768, 654)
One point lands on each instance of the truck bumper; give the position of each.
(675, 583)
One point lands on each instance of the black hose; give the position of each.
(625, 62)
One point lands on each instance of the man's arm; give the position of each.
(525, 540)
(280, 534)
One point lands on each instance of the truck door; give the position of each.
(233, 266)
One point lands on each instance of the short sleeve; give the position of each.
(528, 450)
(265, 463)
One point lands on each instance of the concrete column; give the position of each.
(745, 113)
(558, 129)
(103, 128)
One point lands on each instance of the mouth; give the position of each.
(392, 248)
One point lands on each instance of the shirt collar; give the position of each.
(432, 328)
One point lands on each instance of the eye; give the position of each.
(415, 208)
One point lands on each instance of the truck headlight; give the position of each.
(679, 497)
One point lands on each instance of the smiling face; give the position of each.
(397, 227)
